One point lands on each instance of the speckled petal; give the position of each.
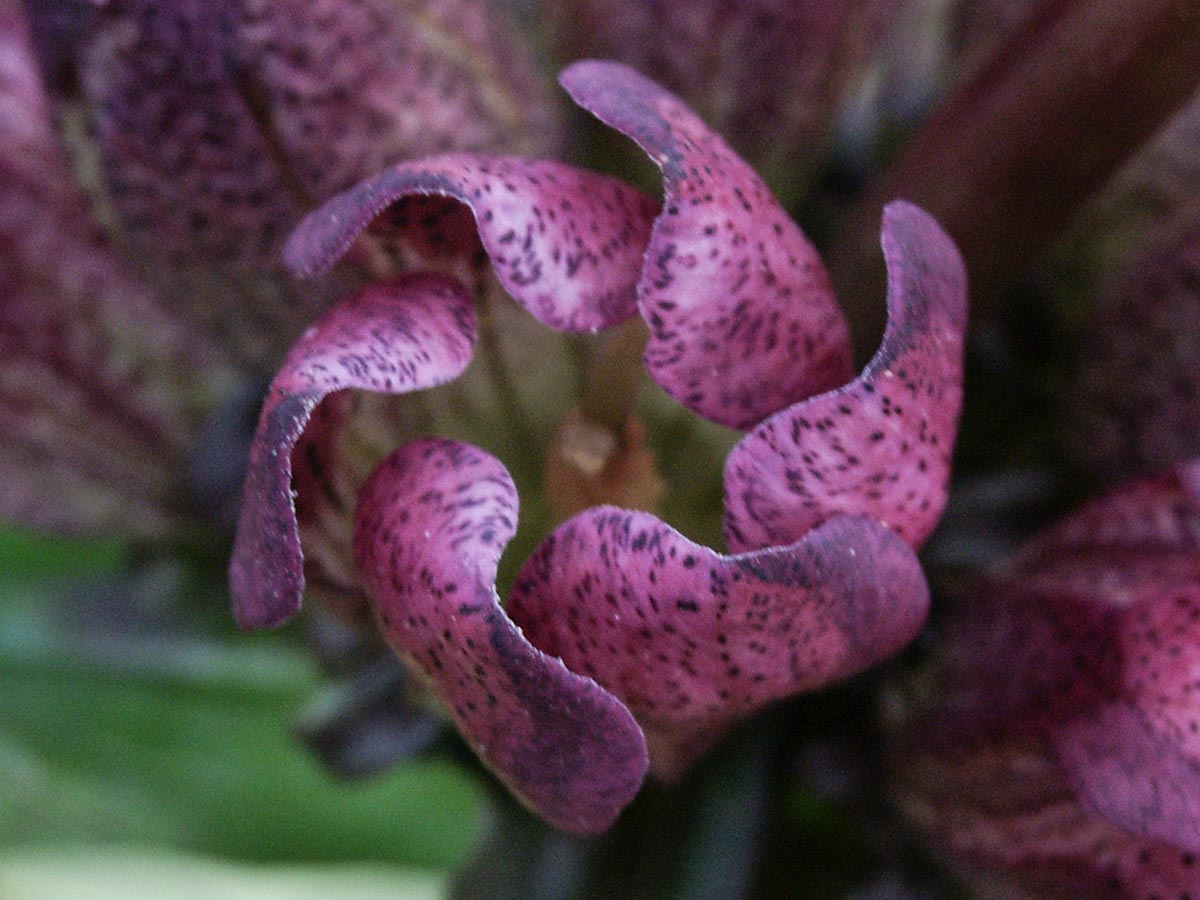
(565, 243)
(1114, 550)
(880, 445)
(1135, 400)
(691, 640)
(57, 28)
(393, 337)
(743, 319)
(431, 525)
(354, 86)
(1133, 777)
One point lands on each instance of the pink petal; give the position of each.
(565, 243)
(1139, 537)
(880, 445)
(743, 319)
(1131, 776)
(432, 523)
(393, 337)
(691, 640)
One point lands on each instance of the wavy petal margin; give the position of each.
(432, 522)
(394, 337)
(882, 444)
(692, 641)
(566, 244)
(742, 316)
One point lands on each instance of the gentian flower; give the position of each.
(1051, 748)
(623, 643)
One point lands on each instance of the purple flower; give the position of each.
(1053, 744)
(623, 643)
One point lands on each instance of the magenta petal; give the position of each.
(1140, 537)
(1133, 777)
(393, 337)
(880, 445)
(432, 523)
(565, 243)
(742, 316)
(692, 640)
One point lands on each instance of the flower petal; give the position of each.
(565, 243)
(431, 525)
(743, 319)
(1136, 394)
(880, 445)
(194, 182)
(692, 640)
(393, 337)
(354, 86)
(1137, 538)
(1131, 776)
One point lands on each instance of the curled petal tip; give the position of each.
(393, 337)
(693, 641)
(742, 315)
(565, 243)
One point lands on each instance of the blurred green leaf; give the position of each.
(146, 876)
(183, 739)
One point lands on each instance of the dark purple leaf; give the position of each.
(100, 416)
(350, 87)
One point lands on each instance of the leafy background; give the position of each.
(124, 744)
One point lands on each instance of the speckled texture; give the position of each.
(99, 417)
(742, 316)
(693, 641)
(218, 123)
(194, 183)
(882, 444)
(432, 523)
(354, 86)
(565, 243)
(1058, 732)
(395, 336)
